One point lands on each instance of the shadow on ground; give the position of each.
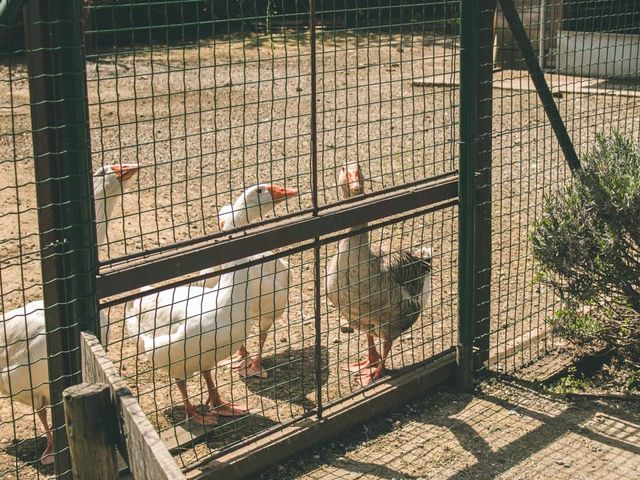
(28, 451)
(508, 430)
(291, 376)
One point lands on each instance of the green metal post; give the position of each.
(64, 188)
(483, 180)
(466, 245)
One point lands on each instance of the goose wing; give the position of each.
(408, 275)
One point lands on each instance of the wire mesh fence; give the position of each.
(212, 102)
(237, 110)
(589, 51)
(20, 257)
(286, 384)
(207, 119)
(202, 103)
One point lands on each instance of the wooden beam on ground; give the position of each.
(91, 423)
(147, 456)
(186, 436)
(309, 432)
(533, 338)
(518, 80)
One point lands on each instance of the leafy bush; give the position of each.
(587, 248)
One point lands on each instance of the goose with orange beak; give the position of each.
(24, 370)
(190, 329)
(378, 292)
(274, 290)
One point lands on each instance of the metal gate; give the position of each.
(211, 99)
(328, 111)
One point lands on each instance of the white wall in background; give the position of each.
(596, 54)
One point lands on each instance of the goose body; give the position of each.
(273, 290)
(191, 328)
(378, 292)
(273, 293)
(24, 370)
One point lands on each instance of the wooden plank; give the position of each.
(499, 356)
(91, 427)
(147, 456)
(309, 432)
(185, 436)
(181, 260)
(559, 84)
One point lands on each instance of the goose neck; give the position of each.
(104, 206)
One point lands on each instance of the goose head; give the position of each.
(253, 204)
(108, 183)
(350, 179)
(108, 180)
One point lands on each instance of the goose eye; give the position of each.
(260, 189)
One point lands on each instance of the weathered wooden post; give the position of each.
(91, 429)
(144, 451)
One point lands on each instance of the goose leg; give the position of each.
(216, 404)
(253, 366)
(208, 418)
(377, 371)
(372, 358)
(239, 358)
(47, 455)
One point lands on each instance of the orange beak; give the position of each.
(221, 224)
(280, 193)
(125, 171)
(354, 180)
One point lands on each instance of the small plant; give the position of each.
(633, 382)
(587, 248)
(570, 383)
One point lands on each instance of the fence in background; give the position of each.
(210, 98)
(528, 163)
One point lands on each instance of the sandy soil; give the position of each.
(204, 122)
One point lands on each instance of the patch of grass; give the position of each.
(573, 382)
(620, 375)
(633, 382)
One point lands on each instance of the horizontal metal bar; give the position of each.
(120, 299)
(260, 239)
(115, 262)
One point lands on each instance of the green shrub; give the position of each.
(587, 248)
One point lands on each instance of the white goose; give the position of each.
(191, 328)
(274, 289)
(24, 371)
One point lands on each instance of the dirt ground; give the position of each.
(509, 430)
(206, 121)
